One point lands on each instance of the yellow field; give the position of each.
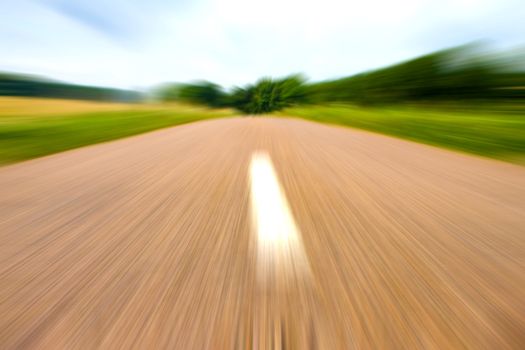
(25, 105)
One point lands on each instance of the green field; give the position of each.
(496, 134)
(31, 128)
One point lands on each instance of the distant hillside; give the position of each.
(20, 85)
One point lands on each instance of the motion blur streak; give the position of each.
(278, 241)
(285, 305)
(146, 243)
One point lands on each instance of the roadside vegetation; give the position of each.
(31, 128)
(496, 133)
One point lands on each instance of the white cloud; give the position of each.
(132, 43)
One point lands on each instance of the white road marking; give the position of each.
(279, 245)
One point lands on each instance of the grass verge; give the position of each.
(31, 128)
(492, 134)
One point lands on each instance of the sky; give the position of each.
(139, 44)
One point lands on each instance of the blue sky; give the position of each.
(136, 44)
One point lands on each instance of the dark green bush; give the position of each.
(269, 95)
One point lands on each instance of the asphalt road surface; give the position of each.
(261, 233)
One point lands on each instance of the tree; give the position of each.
(269, 95)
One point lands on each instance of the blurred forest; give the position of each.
(30, 86)
(461, 74)
(457, 74)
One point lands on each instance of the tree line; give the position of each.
(20, 85)
(457, 74)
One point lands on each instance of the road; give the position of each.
(262, 233)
